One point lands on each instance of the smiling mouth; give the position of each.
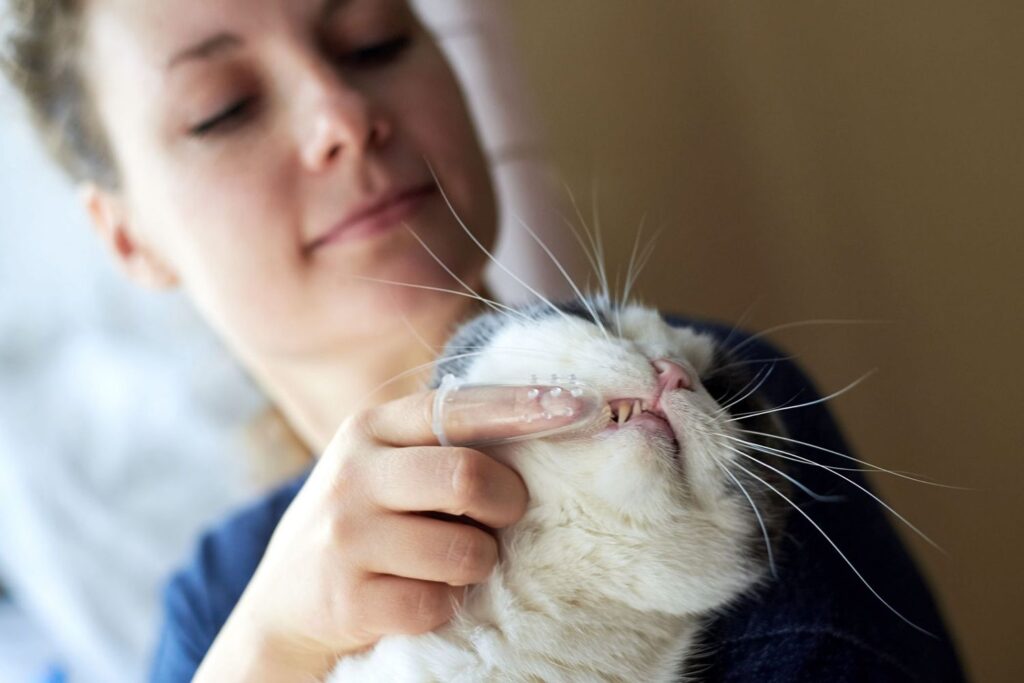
(375, 218)
(641, 414)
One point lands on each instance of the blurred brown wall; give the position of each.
(842, 159)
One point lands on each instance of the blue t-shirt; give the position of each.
(815, 621)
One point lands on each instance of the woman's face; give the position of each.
(271, 153)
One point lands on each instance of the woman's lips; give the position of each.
(375, 217)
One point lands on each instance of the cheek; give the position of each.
(217, 200)
(228, 229)
(436, 119)
(228, 221)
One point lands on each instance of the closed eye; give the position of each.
(377, 54)
(233, 114)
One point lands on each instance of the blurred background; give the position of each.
(806, 161)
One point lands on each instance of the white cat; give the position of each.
(635, 532)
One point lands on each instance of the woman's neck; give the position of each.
(317, 393)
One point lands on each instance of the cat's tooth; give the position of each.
(637, 407)
(624, 411)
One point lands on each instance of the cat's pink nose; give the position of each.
(671, 376)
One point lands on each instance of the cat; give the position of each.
(636, 531)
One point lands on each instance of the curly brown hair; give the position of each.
(41, 61)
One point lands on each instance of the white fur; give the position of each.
(622, 551)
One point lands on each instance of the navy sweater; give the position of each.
(816, 621)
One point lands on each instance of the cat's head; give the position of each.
(661, 500)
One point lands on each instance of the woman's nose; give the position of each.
(671, 376)
(338, 120)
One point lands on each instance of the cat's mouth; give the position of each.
(640, 414)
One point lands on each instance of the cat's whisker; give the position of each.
(586, 250)
(595, 215)
(524, 351)
(618, 314)
(804, 323)
(836, 548)
(602, 273)
(753, 361)
(910, 476)
(727, 401)
(411, 371)
(813, 494)
(797, 458)
(757, 514)
(508, 310)
(742, 319)
(492, 304)
(636, 267)
(831, 396)
(632, 259)
(768, 450)
(767, 373)
(485, 250)
(561, 269)
(431, 349)
(644, 258)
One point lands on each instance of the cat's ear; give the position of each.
(110, 219)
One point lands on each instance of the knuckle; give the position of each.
(340, 531)
(426, 608)
(387, 471)
(343, 601)
(472, 554)
(520, 504)
(426, 411)
(361, 424)
(350, 528)
(468, 479)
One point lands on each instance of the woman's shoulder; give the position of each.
(199, 597)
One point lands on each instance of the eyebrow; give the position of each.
(332, 6)
(226, 41)
(206, 48)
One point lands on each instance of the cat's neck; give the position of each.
(539, 602)
(538, 620)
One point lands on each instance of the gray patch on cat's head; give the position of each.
(475, 335)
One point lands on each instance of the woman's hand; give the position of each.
(353, 559)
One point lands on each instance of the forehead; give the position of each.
(153, 30)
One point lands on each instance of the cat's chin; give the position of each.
(653, 426)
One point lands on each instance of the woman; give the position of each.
(264, 155)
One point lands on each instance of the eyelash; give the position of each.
(223, 119)
(365, 58)
(378, 54)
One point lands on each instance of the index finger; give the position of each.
(404, 421)
(478, 414)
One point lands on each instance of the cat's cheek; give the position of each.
(703, 441)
